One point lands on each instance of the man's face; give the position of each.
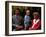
(17, 12)
(27, 12)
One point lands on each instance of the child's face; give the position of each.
(27, 12)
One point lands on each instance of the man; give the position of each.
(36, 22)
(17, 20)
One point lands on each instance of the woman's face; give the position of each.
(36, 16)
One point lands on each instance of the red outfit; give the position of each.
(36, 24)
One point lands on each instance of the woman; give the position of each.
(36, 22)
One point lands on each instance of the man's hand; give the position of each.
(19, 27)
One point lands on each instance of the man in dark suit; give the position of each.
(16, 20)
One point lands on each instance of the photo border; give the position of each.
(7, 17)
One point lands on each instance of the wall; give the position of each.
(2, 18)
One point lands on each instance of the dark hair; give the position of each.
(17, 9)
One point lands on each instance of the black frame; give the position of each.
(7, 17)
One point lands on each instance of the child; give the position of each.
(27, 19)
(36, 22)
